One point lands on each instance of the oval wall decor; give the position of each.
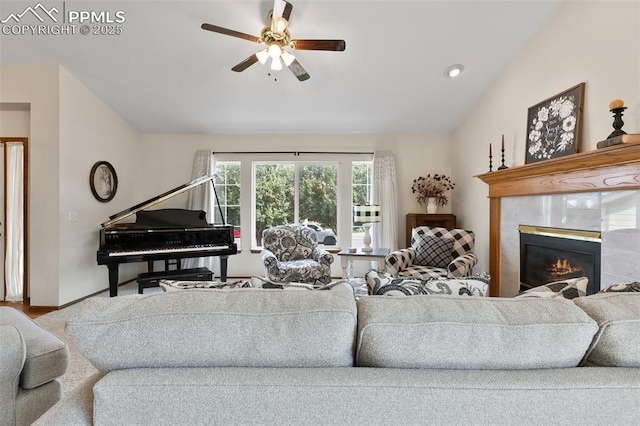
(103, 181)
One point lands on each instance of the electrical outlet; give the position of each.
(73, 216)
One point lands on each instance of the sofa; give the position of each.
(31, 361)
(268, 356)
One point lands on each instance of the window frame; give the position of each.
(247, 194)
(217, 204)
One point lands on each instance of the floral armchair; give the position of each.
(435, 253)
(291, 254)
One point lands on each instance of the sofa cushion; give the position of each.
(471, 333)
(218, 328)
(362, 396)
(384, 284)
(434, 251)
(47, 355)
(617, 343)
(568, 289)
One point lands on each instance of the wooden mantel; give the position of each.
(609, 169)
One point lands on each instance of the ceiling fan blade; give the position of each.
(232, 33)
(286, 13)
(334, 45)
(280, 16)
(245, 64)
(278, 8)
(297, 70)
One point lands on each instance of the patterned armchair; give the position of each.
(291, 254)
(435, 253)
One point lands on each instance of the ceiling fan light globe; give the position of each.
(276, 65)
(287, 58)
(262, 56)
(279, 24)
(274, 51)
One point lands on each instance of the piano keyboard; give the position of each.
(168, 250)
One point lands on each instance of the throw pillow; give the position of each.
(476, 285)
(568, 289)
(173, 285)
(434, 251)
(384, 284)
(622, 288)
(261, 282)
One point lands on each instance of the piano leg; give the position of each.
(113, 279)
(223, 268)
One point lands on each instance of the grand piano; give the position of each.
(167, 234)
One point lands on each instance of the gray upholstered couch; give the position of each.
(31, 360)
(255, 356)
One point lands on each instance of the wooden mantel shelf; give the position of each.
(609, 169)
(612, 168)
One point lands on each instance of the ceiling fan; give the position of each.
(277, 39)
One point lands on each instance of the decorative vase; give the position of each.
(432, 206)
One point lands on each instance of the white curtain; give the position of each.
(14, 226)
(385, 193)
(201, 198)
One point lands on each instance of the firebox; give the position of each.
(555, 254)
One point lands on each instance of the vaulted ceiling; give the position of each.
(164, 74)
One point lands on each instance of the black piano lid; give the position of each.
(157, 199)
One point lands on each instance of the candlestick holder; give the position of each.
(617, 122)
(502, 166)
(490, 162)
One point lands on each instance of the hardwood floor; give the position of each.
(32, 312)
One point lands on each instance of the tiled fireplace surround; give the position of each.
(595, 191)
(614, 214)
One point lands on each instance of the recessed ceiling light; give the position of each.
(454, 70)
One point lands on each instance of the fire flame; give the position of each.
(563, 267)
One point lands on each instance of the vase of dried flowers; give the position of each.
(432, 191)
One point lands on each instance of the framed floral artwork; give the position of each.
(554, 126)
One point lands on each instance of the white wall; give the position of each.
(37, 85)
(14, 120)
(70, 129)
(90, 132)
(597, 42)
(168, 159)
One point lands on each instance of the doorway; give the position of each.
(14, 220)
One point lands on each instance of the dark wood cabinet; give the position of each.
(422, 219)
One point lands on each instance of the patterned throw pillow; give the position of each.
(434, 251)
(568, 289)
(383, 283)
(261, 282)
(622, 288)
(173, 285)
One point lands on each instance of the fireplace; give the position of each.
(555, 254)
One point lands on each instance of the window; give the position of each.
(362, 193)
(297, 192)
(227, 184)
(318, 190)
